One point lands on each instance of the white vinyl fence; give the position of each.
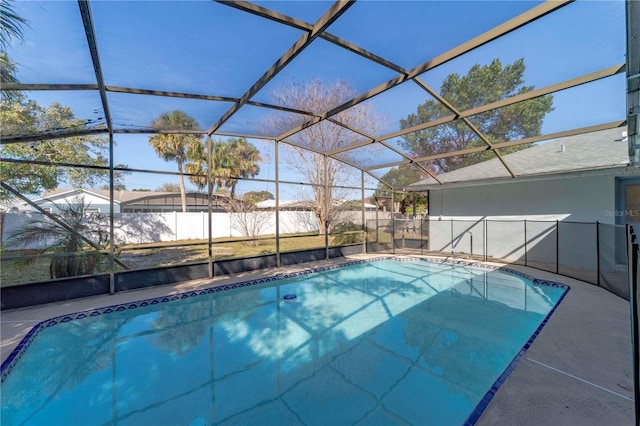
(132, 228)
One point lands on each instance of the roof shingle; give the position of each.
(588, 151)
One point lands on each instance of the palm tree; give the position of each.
(245, 161)
(69, 241)
(230, 161)
(221, 157)
(221, 160)
(10, 28)
(176, 147)
(10, 24)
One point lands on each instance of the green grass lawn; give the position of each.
(140, 256)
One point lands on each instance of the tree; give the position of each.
(10, 24)
(7, 75)
(347, 233)
(399, 178)
(231, 160)
(480, 86)
(244, 161)
(168, 187)
(176, 147)
(254, 197)
(19, 115)
(318, 97)
(117, 186)
(10, 28)
(246, 219)
(22, 116)
(71, 254)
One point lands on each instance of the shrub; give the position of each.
(70, 242)
(347, 233)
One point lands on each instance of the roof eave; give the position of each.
(599, 171)
(65, 194)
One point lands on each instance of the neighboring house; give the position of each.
(307, 205)
(125, 201)
(582, 178)
(285, 205)
(356, 205)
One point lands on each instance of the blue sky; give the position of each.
(205, 47)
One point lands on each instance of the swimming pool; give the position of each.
(379, 342)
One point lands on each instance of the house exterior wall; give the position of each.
(497, 213)
(574, 199)
(93, 202)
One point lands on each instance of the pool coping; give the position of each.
(16, 354)
(484, 402)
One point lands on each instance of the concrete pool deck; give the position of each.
(578, 371)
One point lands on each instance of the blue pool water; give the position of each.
(373, 343)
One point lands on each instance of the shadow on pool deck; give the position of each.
(577, 372)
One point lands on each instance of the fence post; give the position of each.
(598, 252)
(377, 228)
(451, 236)
(557, 246)
(632, 259)
(364, 216)
(277, 199)
(486, 240)
(525, 242)
(421, 236)
(393, 222)
(112, 240)
(210, 267)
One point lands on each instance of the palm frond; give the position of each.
(33, 234)
(10, 24)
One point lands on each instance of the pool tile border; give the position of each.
(484, 402)
(18, 352)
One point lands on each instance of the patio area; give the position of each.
(260, 138)
(578, 370)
